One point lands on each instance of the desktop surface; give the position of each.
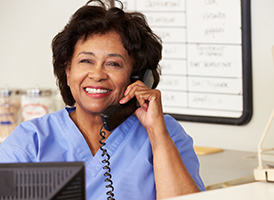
(229, 167)
(250, 191)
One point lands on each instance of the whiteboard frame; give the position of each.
(247, 78)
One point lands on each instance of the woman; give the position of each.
(94, 57)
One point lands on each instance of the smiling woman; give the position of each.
(94, 57)
(100, 63)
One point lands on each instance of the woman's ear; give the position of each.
(67, 69)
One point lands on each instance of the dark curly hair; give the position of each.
(143, 46)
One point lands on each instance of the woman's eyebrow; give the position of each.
(117, 55)
(86, 53)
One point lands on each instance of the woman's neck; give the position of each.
(89, 125)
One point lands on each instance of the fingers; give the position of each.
(135, 89)
(143, 94)
(136, 86)
(131, 90)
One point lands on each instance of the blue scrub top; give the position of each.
(55, 138)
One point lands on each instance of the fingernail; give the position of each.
(125, 93)
(122, 100)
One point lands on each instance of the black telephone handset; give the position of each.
(114, 115)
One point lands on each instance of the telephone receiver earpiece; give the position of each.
(115, 115)
(147, 78)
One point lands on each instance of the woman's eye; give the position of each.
(115, 64)
(85, 61)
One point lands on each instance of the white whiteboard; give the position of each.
(206, 65)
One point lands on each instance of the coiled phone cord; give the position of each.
(106, 166)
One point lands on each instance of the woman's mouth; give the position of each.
(96, 91)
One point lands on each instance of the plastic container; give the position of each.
(36, 103)
(9, 111)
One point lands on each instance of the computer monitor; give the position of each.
(42, 181)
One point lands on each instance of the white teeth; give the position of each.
(96, 91)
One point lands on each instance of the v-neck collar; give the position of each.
(94, 163)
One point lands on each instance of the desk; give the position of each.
(228, 168)
(250, 191)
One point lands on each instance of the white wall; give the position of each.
(27, 28)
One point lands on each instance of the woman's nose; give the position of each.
(97, 74)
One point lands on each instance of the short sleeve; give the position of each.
(184, 143)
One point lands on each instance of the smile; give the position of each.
(96, 91)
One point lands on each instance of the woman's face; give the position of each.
(99, 72)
